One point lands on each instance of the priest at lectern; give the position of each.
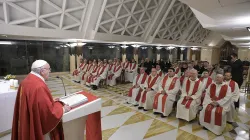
(37, 116)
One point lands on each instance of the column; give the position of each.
(136, 54)
(158, 55)
(118, 53)
(72, 63)
(66, 59)
(189, 57)
(150, 53)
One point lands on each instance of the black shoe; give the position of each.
(162, 116)
(136, 105)
(127, 102)
(145, 110)
(94, 87)
(140, 107)
(204, 128)
(156, 113)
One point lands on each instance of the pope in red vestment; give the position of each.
(36, 114)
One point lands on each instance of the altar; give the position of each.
(7, 103)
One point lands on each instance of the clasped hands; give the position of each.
(188, 97)
(214, 103)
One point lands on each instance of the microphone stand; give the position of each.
(65, 94)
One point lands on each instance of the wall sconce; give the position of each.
(194, 49)
(90, 47)
(158, 47)
(124, 46)
(170, 48)
(144, 48)
(111, 47)
(136, 46)
(183, 49)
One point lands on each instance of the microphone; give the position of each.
(65, 94)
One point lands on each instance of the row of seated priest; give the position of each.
(212, 101)
(90, 72)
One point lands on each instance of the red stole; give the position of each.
(150, 85)
(211, 72)
(36, 113)
(110, 67)
(76, 72)
(182, 79)
(164, 98)
(160, 73)
(95, 69)
(232, 85)
(142, 82)
(177, 70)
(186, 102)
(88, 69)
(125, 65)
(130, 66)
(115, 70)
(209, 81)
(219, 109)
(84, 66)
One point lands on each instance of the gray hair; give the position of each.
(37, 70)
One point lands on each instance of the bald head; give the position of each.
(42, 68)
(193, 74)
(153, 72)
(219, 78)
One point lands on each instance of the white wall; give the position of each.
(244, 53)
(212, 55)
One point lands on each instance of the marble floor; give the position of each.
(121, 121)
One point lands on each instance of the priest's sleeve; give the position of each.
(50, 112)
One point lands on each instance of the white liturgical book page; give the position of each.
(74, 100)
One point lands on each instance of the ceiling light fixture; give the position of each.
(144, 48)
(5, 42)
(90, 47)
(124, 46)
(136, 46)
(183, 49)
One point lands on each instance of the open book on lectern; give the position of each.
(74, 100)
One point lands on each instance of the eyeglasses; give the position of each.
(47, 69)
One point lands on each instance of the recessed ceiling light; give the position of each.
(5, 42)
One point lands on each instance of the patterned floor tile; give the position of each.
(120, 109)
(138, 117)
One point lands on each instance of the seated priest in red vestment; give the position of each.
(187, 106)
(131, 71)
(206, 82)
(159, 71)
(36, 115)
(138, 82)
(87, 72)
(82, 70)
(231, 115)
(165, 98)
(215, 106)
(150, 87)
(100, 74)
(76, 71)
(111, 79)
(91, 73)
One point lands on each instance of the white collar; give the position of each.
(39, 76)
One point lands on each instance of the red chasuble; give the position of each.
(232, 85)
(164, 98)
(186, 102)
(209, 82)
(219, 109)
(35, 113)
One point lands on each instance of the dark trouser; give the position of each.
(237, 104)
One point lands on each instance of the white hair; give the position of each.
(37, 70)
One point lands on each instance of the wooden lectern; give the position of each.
(74, 122)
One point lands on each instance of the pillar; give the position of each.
(72, 63)
(66, 59)
(118, 53)
(150, 53)
(158, 55)
(189, 57)
(136, 54)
